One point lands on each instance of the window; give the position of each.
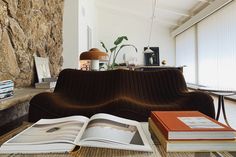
(209, 50)
(186, 54)
(217, 49)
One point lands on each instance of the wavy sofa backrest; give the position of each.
(153, 86)
(93, 87)
(87, 86)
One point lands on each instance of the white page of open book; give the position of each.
(111, 136)
(67, 129)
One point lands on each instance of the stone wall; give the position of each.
(28, 28)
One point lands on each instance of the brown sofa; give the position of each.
(129, 94)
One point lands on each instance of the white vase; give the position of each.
(95, 65)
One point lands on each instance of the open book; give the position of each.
(63, 134)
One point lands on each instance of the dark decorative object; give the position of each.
(163, 62)
(152, 58)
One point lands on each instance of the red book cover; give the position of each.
(189, 122)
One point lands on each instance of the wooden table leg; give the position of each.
(219, 107)
(223, 109)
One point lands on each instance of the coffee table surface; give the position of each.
(102, 152)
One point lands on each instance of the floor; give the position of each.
(230, 107)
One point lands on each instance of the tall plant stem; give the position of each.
(109, 61)
(115, 56)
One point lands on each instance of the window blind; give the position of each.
(217, 49)
(186, 53)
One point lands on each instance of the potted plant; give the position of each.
(114, 51)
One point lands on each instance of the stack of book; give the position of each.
(190, 131)
(47, 83)
(6, 89)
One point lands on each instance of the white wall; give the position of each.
(106, 26)
(78, 14)
(87, 17)
(70, 34)
(112, 24)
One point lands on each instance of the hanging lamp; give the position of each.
(148, 50)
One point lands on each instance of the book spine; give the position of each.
(45, 85)
(5, 95)
(49, 79)
(5, 90)
(6, 84)
(160, 125)
(156, 133)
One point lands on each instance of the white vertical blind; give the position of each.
(186, 53)
(217, 48)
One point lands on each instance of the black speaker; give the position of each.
(152, 59)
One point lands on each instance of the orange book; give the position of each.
(191, 145)
(190, 125)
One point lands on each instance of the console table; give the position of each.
(102, 152)
(155, 68)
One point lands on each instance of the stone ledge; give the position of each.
(15, 109)
(20, 96)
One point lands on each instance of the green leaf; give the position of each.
(103, 45)
(120, 39)
(113, 49)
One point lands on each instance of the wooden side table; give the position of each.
(221, 93)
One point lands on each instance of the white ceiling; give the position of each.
(172, 13)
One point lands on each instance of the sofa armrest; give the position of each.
(199, 101)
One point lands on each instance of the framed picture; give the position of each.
(42, 68)
(152, 59)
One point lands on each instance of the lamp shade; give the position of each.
(94, 54)
(148, 50)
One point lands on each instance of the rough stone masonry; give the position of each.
(28, 28)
